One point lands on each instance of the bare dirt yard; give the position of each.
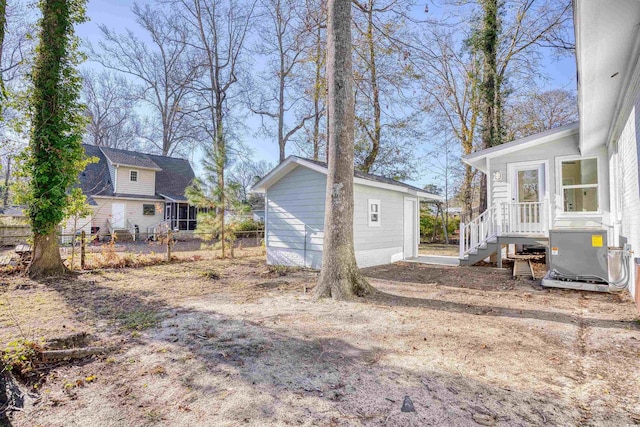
(231, 342)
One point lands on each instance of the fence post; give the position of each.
(169, 243)
(462, 240)
(83, 248)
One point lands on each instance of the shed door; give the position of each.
(117, 215)
(410, 228)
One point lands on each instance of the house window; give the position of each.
(148, 209)
(133, 176)
(374, 213)
(580, 185)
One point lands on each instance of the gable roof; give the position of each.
(479, 159)
(173, 178)
(95, 180)
(173, 175)
(129, 158)
(361, 178)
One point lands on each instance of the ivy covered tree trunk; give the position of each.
(491, 87)
(340, 277)
(55, 147)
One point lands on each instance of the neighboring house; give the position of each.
(258, 215)
(130, 190)
(386, 227)
(583, 176)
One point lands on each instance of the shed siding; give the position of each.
(296, 203)
(382, 244)
(551, 152)
(146, 184)
(625, 191)
(295, 207)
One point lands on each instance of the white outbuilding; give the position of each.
(386, 215)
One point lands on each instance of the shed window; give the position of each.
(148, 209)
(133, 176)
(580, 185)
(374, 213)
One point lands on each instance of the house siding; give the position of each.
(295, 213)
(625, 189)
(82, 224)
(553, 152)
(133, 212)
(145, 186)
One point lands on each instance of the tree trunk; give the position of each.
(467, 193)
(220, 164)
(340, 277)
(316, 96)
(3, 23)
(374, 135)
(5, 196)
(491, 88)
(46, 259)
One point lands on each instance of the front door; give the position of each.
(526, 208)
(117, 215)
(410, 228)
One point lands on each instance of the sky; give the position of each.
(116, 14)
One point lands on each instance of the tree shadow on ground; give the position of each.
(392, 300)
(344, 376)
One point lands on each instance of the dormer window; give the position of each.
(133, 176)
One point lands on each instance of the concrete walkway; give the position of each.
(436, 259)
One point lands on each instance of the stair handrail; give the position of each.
(131, 228)
(479, 230)
(159, 228)
(109, 227)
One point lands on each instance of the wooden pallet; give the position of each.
(522, 269)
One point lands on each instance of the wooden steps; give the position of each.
(522, 269)
(123, 235)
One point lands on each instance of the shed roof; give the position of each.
(362, 178)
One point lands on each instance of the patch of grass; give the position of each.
(154, 415)
(211, 274)
(20, 358)
(139, 320)
(280, 270)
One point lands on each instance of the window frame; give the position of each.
(561, 187)
(370, 203)
(146, 206)
(131, 175)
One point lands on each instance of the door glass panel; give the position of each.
(528, 189)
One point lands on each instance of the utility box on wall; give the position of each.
(579, 254)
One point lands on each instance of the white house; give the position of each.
(583, 176)
(386, 215)
(131, 191)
